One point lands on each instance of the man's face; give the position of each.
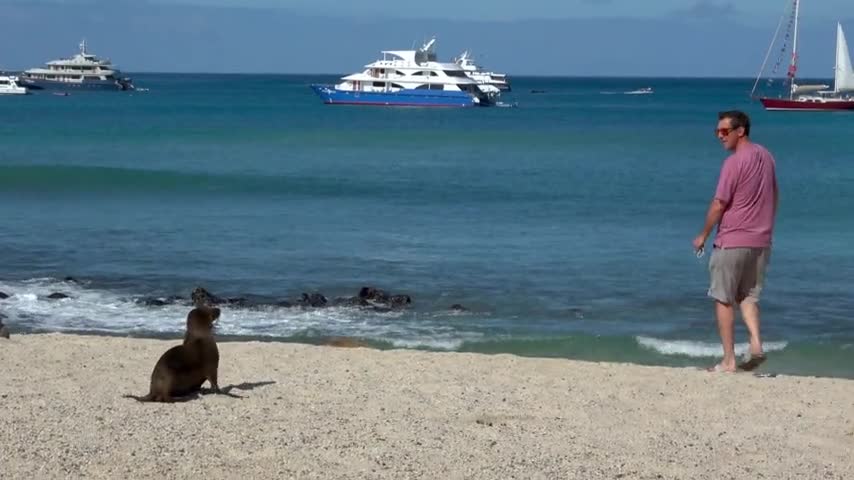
(728, 135)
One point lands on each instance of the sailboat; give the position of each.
(813, 97)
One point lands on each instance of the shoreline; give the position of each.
(786, 358)
(324, 412)
(783, 360)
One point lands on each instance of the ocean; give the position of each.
(563, 226)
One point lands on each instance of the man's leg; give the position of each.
(725, 314)
(724, 269)
(750, 290)
(750, 315)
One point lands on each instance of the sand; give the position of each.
(326, 412)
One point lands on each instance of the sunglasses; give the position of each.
(723, 132)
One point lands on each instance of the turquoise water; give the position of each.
(563, 226)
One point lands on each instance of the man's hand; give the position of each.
(699, 242)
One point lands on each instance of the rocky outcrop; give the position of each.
(316, 300)
(202, 297)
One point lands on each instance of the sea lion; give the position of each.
(4, 332)
(183, 369)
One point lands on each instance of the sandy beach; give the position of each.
(327, 412)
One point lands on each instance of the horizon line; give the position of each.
(519, 75)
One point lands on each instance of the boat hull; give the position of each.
(41, 84)
(14, 91)
(403, 98)
(807, 106)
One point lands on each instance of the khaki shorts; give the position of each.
(737, 274)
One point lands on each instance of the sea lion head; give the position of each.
(200, 320)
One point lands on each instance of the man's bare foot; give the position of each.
(721, 368)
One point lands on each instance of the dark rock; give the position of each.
(284, 304)
(374, 297)
(399, 301)
(459, 308)
(373, 294)
(159, 301)
(202, 297)
(316, 300)
(70, 280)
(57, 296)
(239, 302)
(350, 302)
(152, 302)
(3, 295)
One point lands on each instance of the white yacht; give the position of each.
(9, 86)
(82, 71)
(409, 78)
(475, 72)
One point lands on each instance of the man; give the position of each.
(744, 208)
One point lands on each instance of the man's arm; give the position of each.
(713, 217)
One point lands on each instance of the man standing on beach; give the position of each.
(743, 208)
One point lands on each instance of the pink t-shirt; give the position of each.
(747, 186)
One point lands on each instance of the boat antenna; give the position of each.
(768, 54)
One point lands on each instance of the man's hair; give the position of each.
(737, 118)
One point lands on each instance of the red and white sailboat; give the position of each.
(812, 97)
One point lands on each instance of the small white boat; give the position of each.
(640, 91)
(9, 86)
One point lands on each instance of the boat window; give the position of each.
(418, 73)
(423, 86)
(455, 73)
(4, 82)
(379, 84)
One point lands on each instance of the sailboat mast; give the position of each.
(794, 66)
(836, 65)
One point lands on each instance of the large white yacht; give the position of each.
(9, 86)
(84, 71)
(475, 72)
(409, 78)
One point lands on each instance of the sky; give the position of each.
(682, 38)
(511, 9)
